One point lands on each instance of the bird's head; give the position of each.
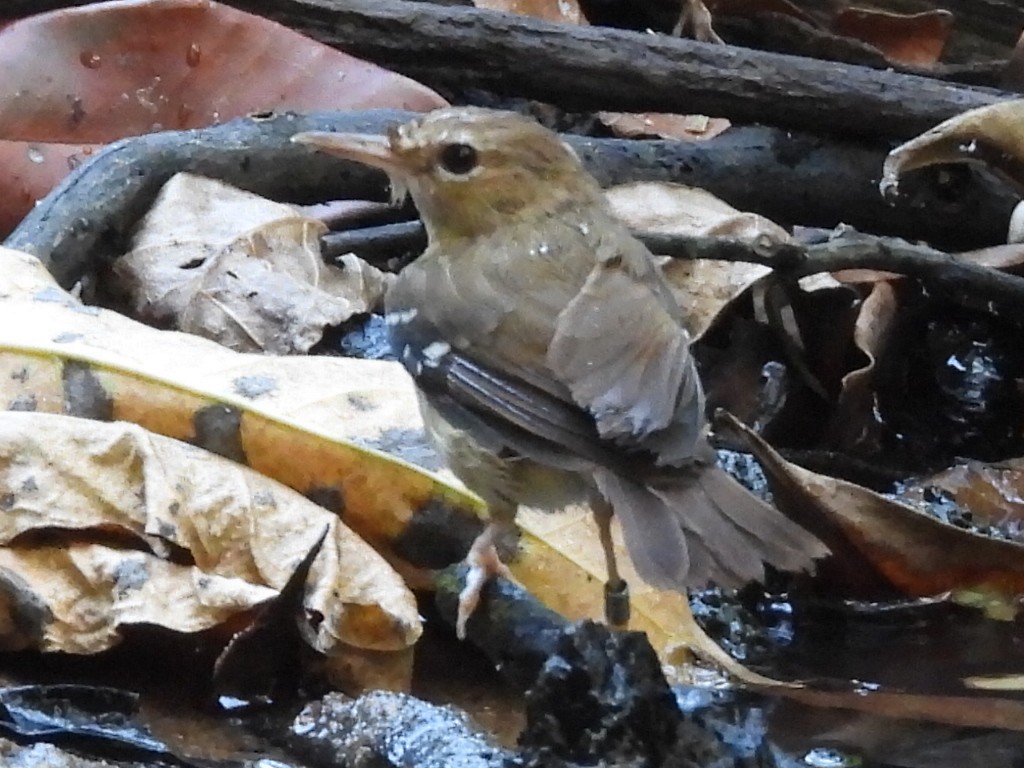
(469, 170)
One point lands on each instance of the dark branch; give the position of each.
(89, 217)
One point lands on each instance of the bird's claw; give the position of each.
(484, 564)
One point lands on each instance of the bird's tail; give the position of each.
(704, 526)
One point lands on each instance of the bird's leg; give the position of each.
(616, 591)
(484, 564)
(695, 19)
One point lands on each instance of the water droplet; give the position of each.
(35, 155)
(821, 757)
(193, 55)
(90, 60)
(184, 114)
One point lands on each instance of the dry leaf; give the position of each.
(283, 416)
(695, 20)
(246, 272)
(915, 39)
(88, 75)
(75, 479)
(664, 125)
(853, 419)
(996, 683)
(872, 536)
(992, 135)
(561, 561)
(994, 493)
(567, 11)
(114, 69)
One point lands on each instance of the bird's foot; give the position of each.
(484, 564)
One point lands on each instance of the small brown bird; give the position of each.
(551, 359)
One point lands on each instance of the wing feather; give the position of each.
(622, 352)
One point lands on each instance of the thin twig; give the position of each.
(969, 284)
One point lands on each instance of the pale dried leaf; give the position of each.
(563, 564)
(996, 683)
(993, 135)
(244, 532)
(231, 266)
(664, 125)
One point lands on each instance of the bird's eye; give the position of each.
(458, 159)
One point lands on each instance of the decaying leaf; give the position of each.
(283, 416)
(78, 77)
(664, 125)
(993, 493)
(702, 287)
(873, 536)
(916, 39)
(244, 271)
(992, 135)
(853, 419)
(550, 10)
(114, 69)
(148, 499)
(998, 683)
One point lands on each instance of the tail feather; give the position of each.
(657, 545)
(704, 527)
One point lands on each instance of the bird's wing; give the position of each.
(616, 377)
(622, 352)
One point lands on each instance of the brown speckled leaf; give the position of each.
(854, 424)
(286, 417)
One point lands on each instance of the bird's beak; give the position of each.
(367, 148)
